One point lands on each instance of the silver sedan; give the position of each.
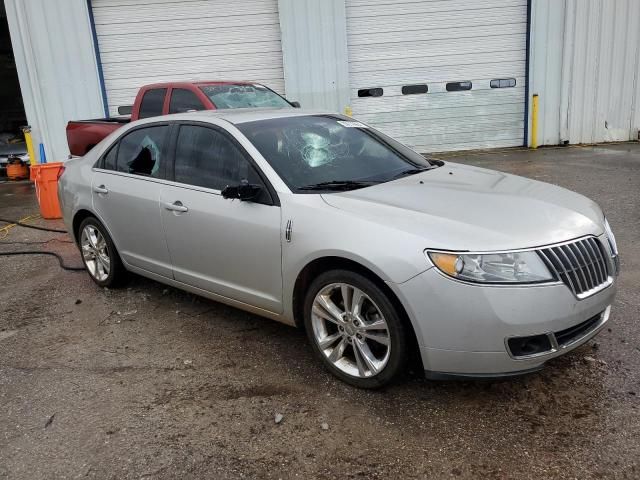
(320, 221)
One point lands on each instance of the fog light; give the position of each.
(528, 346)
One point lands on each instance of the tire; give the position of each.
(371, 320)
(99, 240)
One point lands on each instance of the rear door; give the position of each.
(126, 193)
(227, 247)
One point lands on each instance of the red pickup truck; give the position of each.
(173, 97)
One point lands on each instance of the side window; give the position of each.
(183, 100)
(152, 102)
(141, 152)
(109, 160)
(208, 158)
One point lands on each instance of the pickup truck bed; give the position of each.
(83, 135)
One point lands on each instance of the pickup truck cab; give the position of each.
(173, 97)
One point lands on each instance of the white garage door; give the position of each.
(448, 46)
(147, 41)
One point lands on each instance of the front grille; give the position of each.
(569, 335)
(581, 265)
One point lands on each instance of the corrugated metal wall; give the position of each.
(314, 45)
(585, 65)
(53, 48)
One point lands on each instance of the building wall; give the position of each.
(53, 47)
(584, 64)
(585, 67)
(315, 52)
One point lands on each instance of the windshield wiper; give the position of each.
(411, 171)
(337, 185)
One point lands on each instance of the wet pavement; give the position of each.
(152, 382)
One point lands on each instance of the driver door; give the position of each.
(227, 247)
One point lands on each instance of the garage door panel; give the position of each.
(407, 51)
(191, 64)
(110, 13)
(435, 75)
(466, 60)
(150, 41)
(468, 141)
(471, 99)
(158, 41)
(449, 34)
(429, 114)
(494, 123)
(440, 20)
(369, 8)
(397, 43)
(194, 25)
(439, 88)
(204, 52)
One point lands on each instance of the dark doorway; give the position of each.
(12, 115)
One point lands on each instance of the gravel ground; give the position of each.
(152, 382)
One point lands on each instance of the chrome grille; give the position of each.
(581, 265)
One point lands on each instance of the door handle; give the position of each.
(101, 189)
(176, 206)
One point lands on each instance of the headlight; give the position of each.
(512, 267)
(611, 237)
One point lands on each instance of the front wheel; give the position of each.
(355, 329)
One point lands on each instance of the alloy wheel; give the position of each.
(350, 330)
(95, 253)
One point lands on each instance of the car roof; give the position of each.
(199, 83)
(237, 116)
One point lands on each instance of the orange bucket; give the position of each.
(17, 171)
(45, 177)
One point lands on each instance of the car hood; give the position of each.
(459, 207)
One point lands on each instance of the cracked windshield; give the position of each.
(244, 96)
(324, 152)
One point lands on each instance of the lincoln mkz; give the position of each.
(320, 221)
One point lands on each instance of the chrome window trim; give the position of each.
(161, 181)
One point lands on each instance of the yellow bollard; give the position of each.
(534, 122)
(29, 141)
(347, 111)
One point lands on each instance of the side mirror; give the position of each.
(245, 192)
(295, 104)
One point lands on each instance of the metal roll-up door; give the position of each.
(398, 47)
(147, 41)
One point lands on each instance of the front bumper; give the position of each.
(463, 329)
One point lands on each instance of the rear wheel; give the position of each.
(99, 254)
(355, 329)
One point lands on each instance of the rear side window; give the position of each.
(141, 151)
(458, 86)
(152, 102)
(370, 92)
(109, 160)
(503, 83)
(207, 158)
(415, 89)
(183, 100)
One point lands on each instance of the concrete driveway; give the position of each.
(151, 382)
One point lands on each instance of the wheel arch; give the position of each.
(78, 218)
(323, 264)
(84, 213)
